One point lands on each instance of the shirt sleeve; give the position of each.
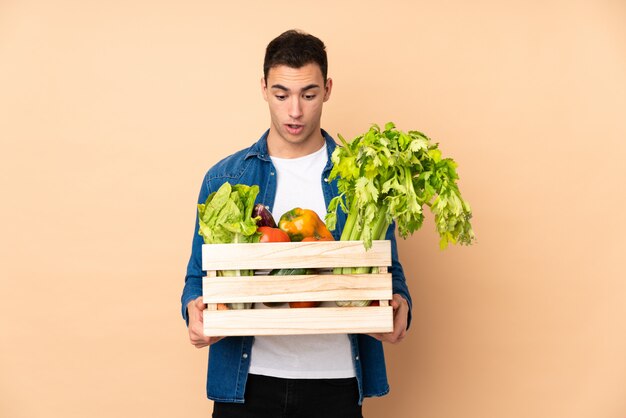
(193, 278)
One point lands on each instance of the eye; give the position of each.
(309, 96)
(280, 96)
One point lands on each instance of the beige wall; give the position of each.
(110, 113)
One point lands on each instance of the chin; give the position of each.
(296, 139)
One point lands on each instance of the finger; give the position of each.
(200, 304)
(199, 343)
(196, 333)
(206, 341)
(399, 328)
(199, 340)
(394, 339)
(400, 336)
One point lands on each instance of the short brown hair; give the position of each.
(295, 49)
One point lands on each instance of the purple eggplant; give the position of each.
(266, 216)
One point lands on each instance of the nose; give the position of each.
(295, 108)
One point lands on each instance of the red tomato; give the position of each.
(304, 304)
(273, 235)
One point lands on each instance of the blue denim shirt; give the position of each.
(229, 358)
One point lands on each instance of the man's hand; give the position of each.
(196, 324)
(400, 318)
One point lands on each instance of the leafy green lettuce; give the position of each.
(226, 217)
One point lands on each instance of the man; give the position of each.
(300, 376)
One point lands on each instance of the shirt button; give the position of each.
(357, 358)
(245, 355)
(326, 179)
(271, 173)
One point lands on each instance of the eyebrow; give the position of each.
(309, 87)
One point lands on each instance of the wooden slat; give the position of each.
(296, 288)
(383, 302)
(277, 321)
(319, 254)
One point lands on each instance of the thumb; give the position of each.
(200, 304)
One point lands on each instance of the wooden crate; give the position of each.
(316, 287)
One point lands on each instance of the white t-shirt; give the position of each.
(326, 356)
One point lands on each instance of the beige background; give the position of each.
(110, 113)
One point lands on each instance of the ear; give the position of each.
(328, 89)
(264, 88)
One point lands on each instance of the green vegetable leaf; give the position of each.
(365, 190)
(390, 175)
(226, 216)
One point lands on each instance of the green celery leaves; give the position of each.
(391, 175)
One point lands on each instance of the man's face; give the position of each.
(295, 97)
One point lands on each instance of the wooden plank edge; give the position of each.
(297, 288)
(315, 254)
(354, 320)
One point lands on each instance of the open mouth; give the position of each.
(294, 129)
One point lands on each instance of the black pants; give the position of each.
(285, 398)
